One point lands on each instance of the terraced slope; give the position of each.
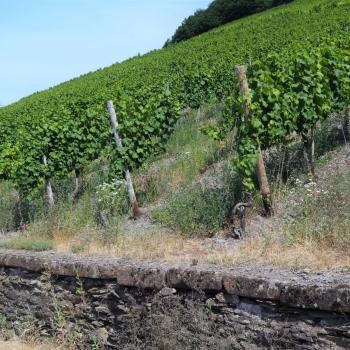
(68, 124)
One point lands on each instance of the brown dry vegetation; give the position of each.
(310, 229)
(16, 345)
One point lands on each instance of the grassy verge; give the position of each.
(28, 242)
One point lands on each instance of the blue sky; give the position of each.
(45, 42)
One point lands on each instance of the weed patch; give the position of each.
(28, 242)
(323, 215)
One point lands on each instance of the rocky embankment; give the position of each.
(121, 304)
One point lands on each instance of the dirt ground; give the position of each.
(16, 345)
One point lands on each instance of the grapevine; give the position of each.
(293, 87)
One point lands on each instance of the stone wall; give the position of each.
(92, 303)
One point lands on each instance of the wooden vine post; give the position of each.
(309, 150)
(18, 208)
(49, 192)
(137, 212)
(260, 166)
(348, 121)
(78, 187)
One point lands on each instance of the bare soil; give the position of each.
(16, 345)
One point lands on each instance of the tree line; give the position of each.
(219, 12)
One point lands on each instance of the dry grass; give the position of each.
(148, 246)
(16, 345)
(253, 250)
(268, 249)
(310, 254)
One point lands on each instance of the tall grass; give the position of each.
(201, 209)
(8, 200)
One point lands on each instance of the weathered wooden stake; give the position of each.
(137, 212)
(49, 192)
(260, 166)
(18, 207)
(78, 187)
(309, 151)
(312, 151)
(199, 111)
(348, 121)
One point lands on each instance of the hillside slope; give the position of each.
(69, 124)
(190, 165)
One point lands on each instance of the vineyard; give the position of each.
(298, 63)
